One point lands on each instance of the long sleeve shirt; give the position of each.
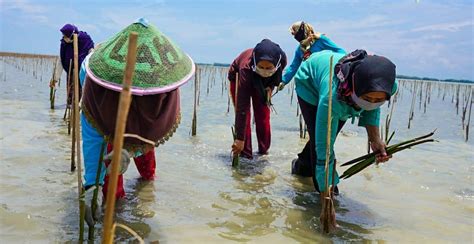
(85, 43)
(247, 83)
(323, 43)
(312, 81)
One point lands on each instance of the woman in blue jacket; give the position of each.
(309, 42)
(361, 84)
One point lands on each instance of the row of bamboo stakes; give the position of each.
(421, 91)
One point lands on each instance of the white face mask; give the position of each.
(265, 72)
(67, 39)
(365, 105)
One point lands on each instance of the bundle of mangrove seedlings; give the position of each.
(365, 161)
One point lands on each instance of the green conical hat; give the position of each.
(161, 66)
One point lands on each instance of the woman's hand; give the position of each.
(237, 147)
(379, 145)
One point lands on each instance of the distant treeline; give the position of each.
(215, 64)
(432, 79)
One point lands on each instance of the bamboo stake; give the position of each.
(421, 94)
(235, 158)
(73, 139)
(77, 141)
(464, 110)
(52, 88)
(196, 87)
(412, 109)
(203, 69)
(208, 83)
(429, 93)
(426, 98)
(124, 105)
(469, 119)
(444, 91)
(328, 206)
(388, 119)
(457, 99)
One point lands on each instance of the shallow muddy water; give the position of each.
(425, 194)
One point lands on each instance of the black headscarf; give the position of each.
(371, 73)
(300, 34)
(374, 74)
(269, 51)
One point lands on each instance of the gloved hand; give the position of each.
(281, 86)
(124, 161)
(90, 216)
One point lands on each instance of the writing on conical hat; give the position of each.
(159, 61)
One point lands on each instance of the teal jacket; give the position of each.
(312, 85)
(323, 43)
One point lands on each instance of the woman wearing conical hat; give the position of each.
(154, 114)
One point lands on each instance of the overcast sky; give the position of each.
(423, 38)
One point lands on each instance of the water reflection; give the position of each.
(135, 209)
(253, 211)
(201, 198)
(302, 222)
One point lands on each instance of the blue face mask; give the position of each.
(364, 104)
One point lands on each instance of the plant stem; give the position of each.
(96, 190)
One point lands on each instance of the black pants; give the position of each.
(305, 165)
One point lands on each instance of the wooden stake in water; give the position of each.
(469, 119)
(77, 140)
(235, 158)
(466, 104)
(124, 105)
(52, 87)
(412, 109)
(457, 98)
(327, 217)
(196, 88)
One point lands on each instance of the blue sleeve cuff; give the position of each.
(321, 176)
